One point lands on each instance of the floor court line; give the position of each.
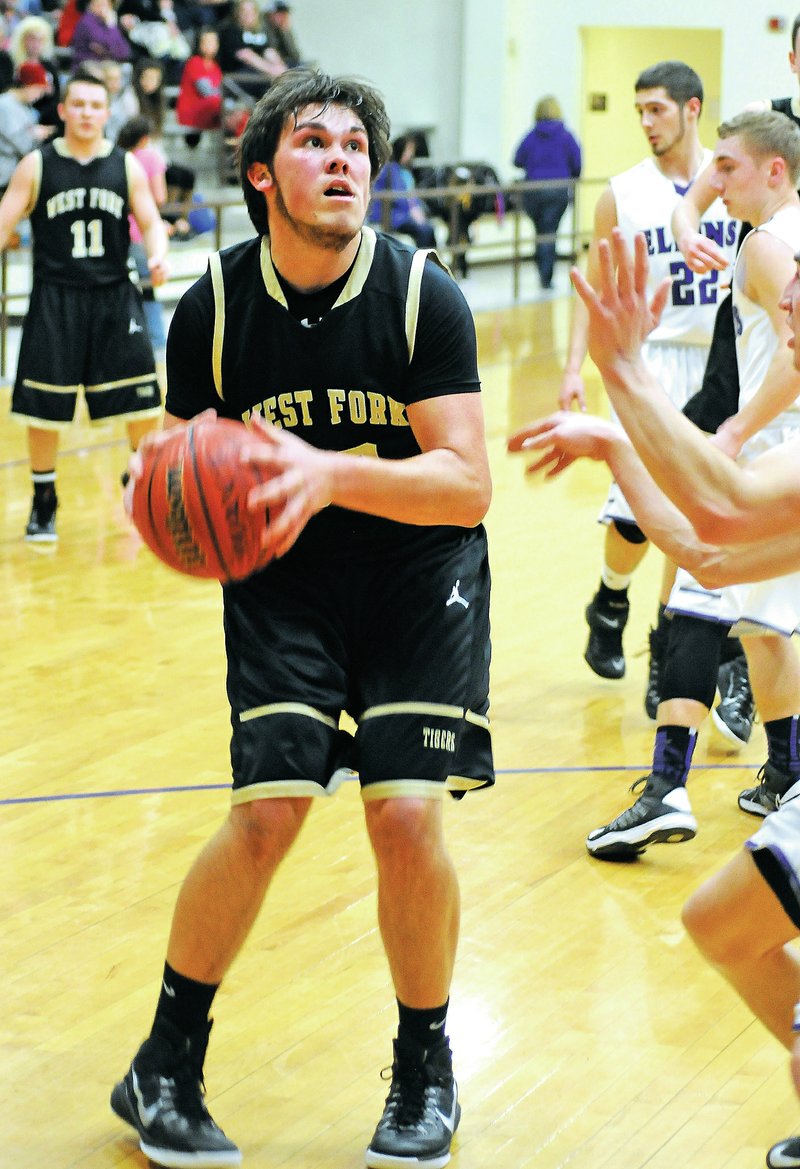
(180, 789)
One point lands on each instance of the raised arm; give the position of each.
(725, 503)
(557, 441)
(572, 389)
(700, 253)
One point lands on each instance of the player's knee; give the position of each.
(402, 827)
(714, 929)
(266, 829)
(630, 533)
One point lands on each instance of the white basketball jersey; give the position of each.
(756, 340)
(645, 200)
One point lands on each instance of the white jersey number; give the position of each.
(91, 232)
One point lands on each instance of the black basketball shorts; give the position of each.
(94, 339)
(401, 643)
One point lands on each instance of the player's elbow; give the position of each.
(712, 576)
(472, 507)
(481, 499)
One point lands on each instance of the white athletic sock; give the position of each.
(615, 580)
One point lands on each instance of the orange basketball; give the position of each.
(190, 502)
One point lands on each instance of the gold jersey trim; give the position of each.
(287, 708)
(39, 423)
(50, 389)
(387, 789)
(355, 281)
(439, 709)
(480, 720)
(277, 789)
(36, 184)
(142, 379)
(413, 297)
(104, 149)
(218, 285)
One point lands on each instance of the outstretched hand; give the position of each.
(620, 316)
(561, 438)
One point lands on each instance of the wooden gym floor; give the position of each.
(586, 1030)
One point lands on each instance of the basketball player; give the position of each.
(669, 99)
(718, 397)
(85, 324)
(742, 523)
(756, 163)
(339, 345)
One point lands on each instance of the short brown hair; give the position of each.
(289, 94)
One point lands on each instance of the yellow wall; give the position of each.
(613, 58)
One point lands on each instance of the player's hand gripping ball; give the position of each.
(189, 502)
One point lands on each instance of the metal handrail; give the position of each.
(517, 244)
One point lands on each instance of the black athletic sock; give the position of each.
(421, 1028)
(183, 1002)
(782, 744)
(44, 492)
(606, 596)
(672, 754)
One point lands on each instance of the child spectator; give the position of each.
(199, 102)
(122, 100)
(135, 137)
(406, 214)
(148, 85)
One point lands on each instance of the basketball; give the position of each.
(189, 504)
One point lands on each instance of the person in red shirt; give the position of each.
(199, 102)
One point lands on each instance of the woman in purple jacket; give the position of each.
(98, 36)
(548, 151)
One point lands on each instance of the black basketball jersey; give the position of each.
(79, 221)
(391, 338)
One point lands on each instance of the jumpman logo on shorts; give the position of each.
(455, 597)
(134, 327)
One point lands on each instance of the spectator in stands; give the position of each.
(206, 12)
(68, 19)
(406, 213)
(20, 131)
(244, 50)
(152, 28)
(98, 36)
(199, 104)
(122, 99)
(135, 137)
(281, 34)
(548, 151)
(148, 85)
(32, 40)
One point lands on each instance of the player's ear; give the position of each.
(777, 168)
(259, 175)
